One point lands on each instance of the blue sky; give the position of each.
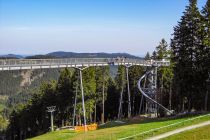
(42, 26)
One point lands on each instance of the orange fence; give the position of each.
(89, 127)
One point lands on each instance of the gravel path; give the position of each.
(179, 131)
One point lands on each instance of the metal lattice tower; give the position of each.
(149, 92)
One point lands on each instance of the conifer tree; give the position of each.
(205, 65)
(164, 75)
(121, 81)
(102, 76)
(89, 83)
(206, 42)
(65, 95)
(161, 49)
(147, 56)
(112, 102)
(154, 55)
(186, 43)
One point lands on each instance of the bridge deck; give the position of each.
(21, 64)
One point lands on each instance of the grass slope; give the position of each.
(56, 135)
(115, 131)
(195, 134)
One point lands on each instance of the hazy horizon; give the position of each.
(25, 55)
(110, 26)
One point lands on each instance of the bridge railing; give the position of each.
(76, 61)
(20, 62)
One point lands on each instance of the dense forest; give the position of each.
(182, 87)
(17, 87)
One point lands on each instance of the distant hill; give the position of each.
(11, 56)
(61, 54)
(40, 57)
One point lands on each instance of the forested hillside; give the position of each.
(89, 55)
(17, 87)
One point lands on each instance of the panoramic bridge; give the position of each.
(22, 64)
(149, 91)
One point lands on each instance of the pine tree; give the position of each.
(121, 84)
(112, 102)
(185, 43)
(102, 76)
(164, 75)
(147, 56)
(161, 49)
(206, 42)
(89, 83)
(206, 48)
(154, 55)
(135, 72)
(206, 19)
(65, 95)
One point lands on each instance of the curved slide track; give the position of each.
(147, 92)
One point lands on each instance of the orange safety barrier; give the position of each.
(89, 127)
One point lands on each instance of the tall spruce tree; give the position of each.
(112, 102)
(206, 19)
(102, 76)
(186, 43)
(164, 75)
(89, 83)
(65, 95)
(121, 84)
(206, 48)
(135, 72)
(147, 56)
(161, 49)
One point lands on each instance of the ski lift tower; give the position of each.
(51, 109)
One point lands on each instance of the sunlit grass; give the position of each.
(116, 131)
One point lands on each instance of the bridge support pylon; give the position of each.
(128, 89)
(83, 98)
